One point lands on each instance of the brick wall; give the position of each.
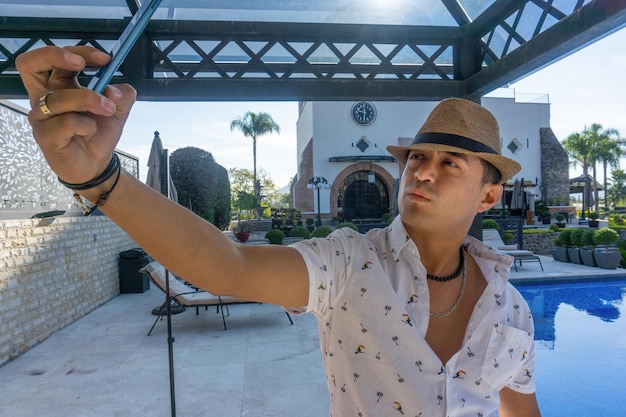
(53, 274)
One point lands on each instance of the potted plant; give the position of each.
(559, 252)
(508, 238)
(300, 231)
(275, 236)
(576, 242)
(545, 216)
(560, 220)
(309, 224)
(605, 256)
(244, 229)
(586, 252)
(593, 219)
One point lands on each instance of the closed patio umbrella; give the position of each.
(159, 178)
(158, 173)
(517, 199)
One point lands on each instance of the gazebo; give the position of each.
(315, 49)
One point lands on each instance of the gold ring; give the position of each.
(44, 107)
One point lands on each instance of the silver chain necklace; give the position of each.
(458, 299)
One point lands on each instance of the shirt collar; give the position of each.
(398, 237)
(494, 265)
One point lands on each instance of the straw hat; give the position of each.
(461, 126)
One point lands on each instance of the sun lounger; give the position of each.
(491, 237)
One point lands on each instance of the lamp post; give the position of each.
(318, 182)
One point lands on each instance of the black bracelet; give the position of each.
(113, 167)
(101, 200)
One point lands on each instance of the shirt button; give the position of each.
(413, 250)
(421, 289)
(502, 336)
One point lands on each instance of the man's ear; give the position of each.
(493, 194)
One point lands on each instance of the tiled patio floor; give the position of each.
(105, 365)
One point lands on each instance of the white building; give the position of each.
(345, 142)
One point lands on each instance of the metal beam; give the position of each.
(586, 25)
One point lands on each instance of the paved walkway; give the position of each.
(105, 365)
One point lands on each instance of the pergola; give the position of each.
(221, 50)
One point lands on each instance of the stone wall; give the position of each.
(554, 169)
(54, 271)
(542, 243)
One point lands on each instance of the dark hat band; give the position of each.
(452, 140)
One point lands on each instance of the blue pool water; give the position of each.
(580, 337)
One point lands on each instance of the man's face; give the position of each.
(441, 189)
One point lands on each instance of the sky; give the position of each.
(586, 87)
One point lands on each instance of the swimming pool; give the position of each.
(580, 337)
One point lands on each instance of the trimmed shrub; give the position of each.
(490, 224)
(321, 231)
(564, 238)
(554, 228)
(605, 236)
(202, 184)
(299, 231)
(576, 238)
(348, 224)
(275, 236)
(588, 238)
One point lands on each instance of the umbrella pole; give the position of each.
(170, 343)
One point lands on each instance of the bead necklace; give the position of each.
(458, 299)
(450, 277)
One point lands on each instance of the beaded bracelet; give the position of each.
(113, 167)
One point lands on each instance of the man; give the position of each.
(416, 319)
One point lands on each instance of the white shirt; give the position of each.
(370, 296)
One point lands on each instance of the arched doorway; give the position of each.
(359, 198)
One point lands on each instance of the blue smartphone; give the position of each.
(124, 44)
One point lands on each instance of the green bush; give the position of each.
(309, 221)
(593, 215)
(321, 231)
(588, 238)
(554, 228)
(508, 237)
(576, 238)
(564, 238)
(490, 224)
(299, 231)
(538, 231)
(202, 185)
(275, 236)
(348, 224)
(560, 217)
(605, 236)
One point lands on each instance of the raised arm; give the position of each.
(78, 140)
(515, 404)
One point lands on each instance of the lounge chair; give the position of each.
(188, 296)
(491, 237)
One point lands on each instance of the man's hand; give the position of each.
(78, 139)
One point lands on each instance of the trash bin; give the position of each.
(131, 280)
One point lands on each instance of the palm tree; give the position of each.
(253, 125)
(610, 148)
(580, 150)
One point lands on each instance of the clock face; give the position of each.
(363, 112)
